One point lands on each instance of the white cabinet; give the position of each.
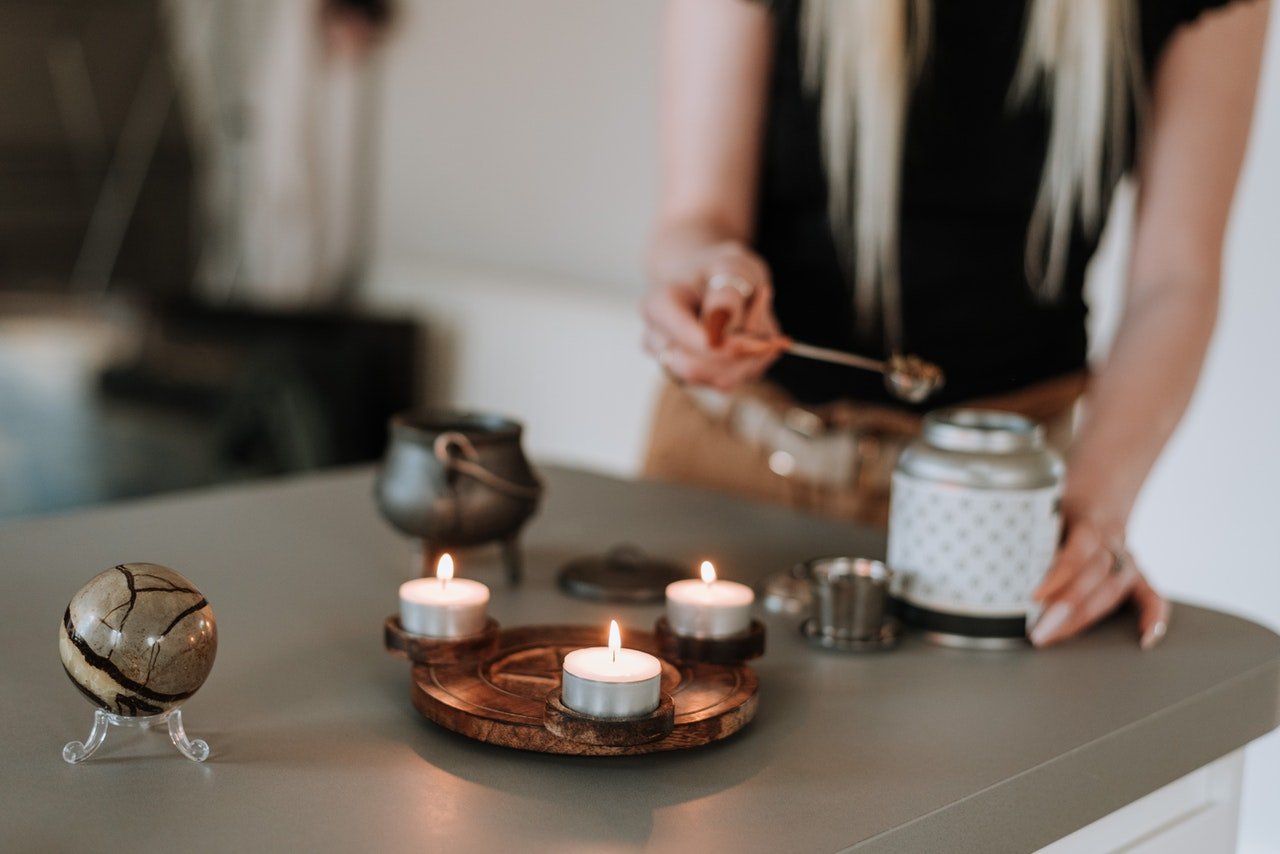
(1197, 814)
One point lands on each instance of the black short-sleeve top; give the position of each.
(971, 170)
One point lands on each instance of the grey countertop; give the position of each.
(316, 746)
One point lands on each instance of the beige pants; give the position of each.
(689, 444)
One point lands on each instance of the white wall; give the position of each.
(519, 135)
(564, 360)
(517, 180)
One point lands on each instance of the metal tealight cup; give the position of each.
(850, 597)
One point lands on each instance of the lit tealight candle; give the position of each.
(444, 606)
(611, 682)
(709, 608)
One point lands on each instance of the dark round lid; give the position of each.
(624, 574)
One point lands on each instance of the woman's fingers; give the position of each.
(656, 343)
(1153, 613)
(747, 368)
(751, 346)
(716, 323)
(738, 301)
(672, 312)
(720, 332)
(760, 320)
(685, 367)
(721, 374)
(1074, 605)
(724, 369)
(722, 315)
(1079, 605)
(760, 335)
(1082, 606)
(1083, 543)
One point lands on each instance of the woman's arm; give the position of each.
(715, 65)
(1202, 106)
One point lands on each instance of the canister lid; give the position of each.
(985, 431)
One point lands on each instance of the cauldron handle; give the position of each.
(455, 451)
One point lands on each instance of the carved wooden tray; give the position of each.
(501, 699)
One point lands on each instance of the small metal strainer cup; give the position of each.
(850, 596)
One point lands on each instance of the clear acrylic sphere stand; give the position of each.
(197, 750)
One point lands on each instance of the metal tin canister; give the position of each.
(974, 523)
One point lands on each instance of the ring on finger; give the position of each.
(732, 281)
(1119, 560)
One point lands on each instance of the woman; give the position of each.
(913, 176)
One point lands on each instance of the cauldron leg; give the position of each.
(513, 560)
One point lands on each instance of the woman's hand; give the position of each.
(1093, 575)
(712, 296)
(713, 323)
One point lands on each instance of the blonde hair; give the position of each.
(863, 56)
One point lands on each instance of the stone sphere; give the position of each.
(138, 639)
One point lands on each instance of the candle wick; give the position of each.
(444, 584)
(613, 653)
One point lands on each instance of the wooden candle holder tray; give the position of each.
(508, 694)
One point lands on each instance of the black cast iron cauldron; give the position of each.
(456, 480)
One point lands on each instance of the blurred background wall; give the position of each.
(75, 77)
(183, 219)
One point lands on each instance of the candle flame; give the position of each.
(444, 569)
(708, 572)
(615, 639)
